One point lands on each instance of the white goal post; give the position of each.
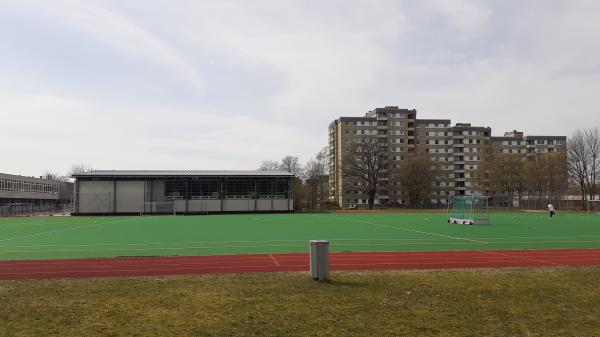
(168, 207)
(593, 206)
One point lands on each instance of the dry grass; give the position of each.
(486, 302)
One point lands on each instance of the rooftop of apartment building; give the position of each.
(518, 135)
(469, 127)
(432, 121)
(390, 109)
(509, 135)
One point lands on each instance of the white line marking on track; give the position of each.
(273, 258)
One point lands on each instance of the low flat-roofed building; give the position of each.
(24, 195)
(182, 192)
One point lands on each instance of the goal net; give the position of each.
(468, 210)
(593, 206)
(159, 207)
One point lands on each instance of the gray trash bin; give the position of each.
(319, 260)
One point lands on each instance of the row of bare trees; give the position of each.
(542, 179)
(75, 169)
(505, 177)
(546, 177)
(367, 166)
(583, 152)
(311, 185)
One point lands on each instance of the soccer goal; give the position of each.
(159, 207)
(469, 210)
(593, 206)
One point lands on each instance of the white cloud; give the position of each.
(263, 79)
(115, 31)
(49, 132)
(468, 17)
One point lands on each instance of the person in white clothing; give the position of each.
(551, 210)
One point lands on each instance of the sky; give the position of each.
(178, 84)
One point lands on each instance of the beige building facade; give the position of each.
(458, 150)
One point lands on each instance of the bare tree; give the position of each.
(536, 179)
(268, 165)
(506, 176)
(323, 158)
(417, 175)
(291, 164)
(578, 161)
(79, 168)
(592, 142)
(313, 175)
(547, 176)
(324, 188)
(55, 176)
(365, 164)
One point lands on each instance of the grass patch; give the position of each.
(490, 302)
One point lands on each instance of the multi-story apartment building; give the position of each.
(515, 142)
(458, 150)
(394, 130)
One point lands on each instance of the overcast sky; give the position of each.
(226, 84)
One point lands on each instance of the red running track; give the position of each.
(219, 264)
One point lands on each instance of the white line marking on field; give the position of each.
(126, 249)
(273, 258)
(62, 230)
(407, 229)
(211, 242)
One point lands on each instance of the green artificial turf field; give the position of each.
(82, 237)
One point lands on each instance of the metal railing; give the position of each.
(20, 209)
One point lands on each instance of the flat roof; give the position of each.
(546, 137)
(435, 121)
(28, 179)
(352, 119)
(178, 173)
